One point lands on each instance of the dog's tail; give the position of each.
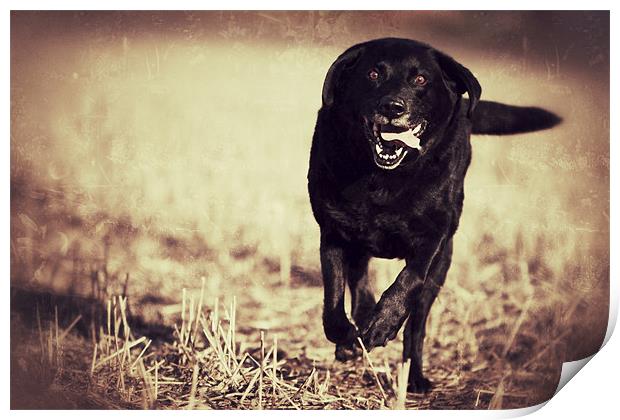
(495, 118)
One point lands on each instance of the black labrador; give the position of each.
(389, 156)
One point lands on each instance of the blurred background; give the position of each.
(151, 149)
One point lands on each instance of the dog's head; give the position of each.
(400, 92)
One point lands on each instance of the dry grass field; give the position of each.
(163, 251)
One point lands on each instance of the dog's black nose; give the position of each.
(392, 107)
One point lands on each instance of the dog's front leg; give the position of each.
(338, 328)
(415, 328)
(395, 304)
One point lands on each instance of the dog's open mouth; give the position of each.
(391, 144)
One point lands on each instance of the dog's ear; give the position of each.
(461, 77)
(344, 62)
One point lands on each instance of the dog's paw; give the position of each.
(339, 332)
(379, 332)
(419, 385)
(348, 351)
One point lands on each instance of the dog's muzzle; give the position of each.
(391, 144)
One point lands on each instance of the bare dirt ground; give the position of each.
(162, 245)
(491, 347)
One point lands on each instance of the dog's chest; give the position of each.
(378, 218)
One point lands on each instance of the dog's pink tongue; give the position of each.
(406, 137)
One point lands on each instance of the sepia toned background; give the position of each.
(162, 156)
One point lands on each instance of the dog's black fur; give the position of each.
(410, 211)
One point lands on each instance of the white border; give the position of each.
(306, 5)
(593, 395)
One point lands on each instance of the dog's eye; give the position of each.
(373, 74)
(420, 80)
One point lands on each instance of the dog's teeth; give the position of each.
(399, 151)
(378, 149)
